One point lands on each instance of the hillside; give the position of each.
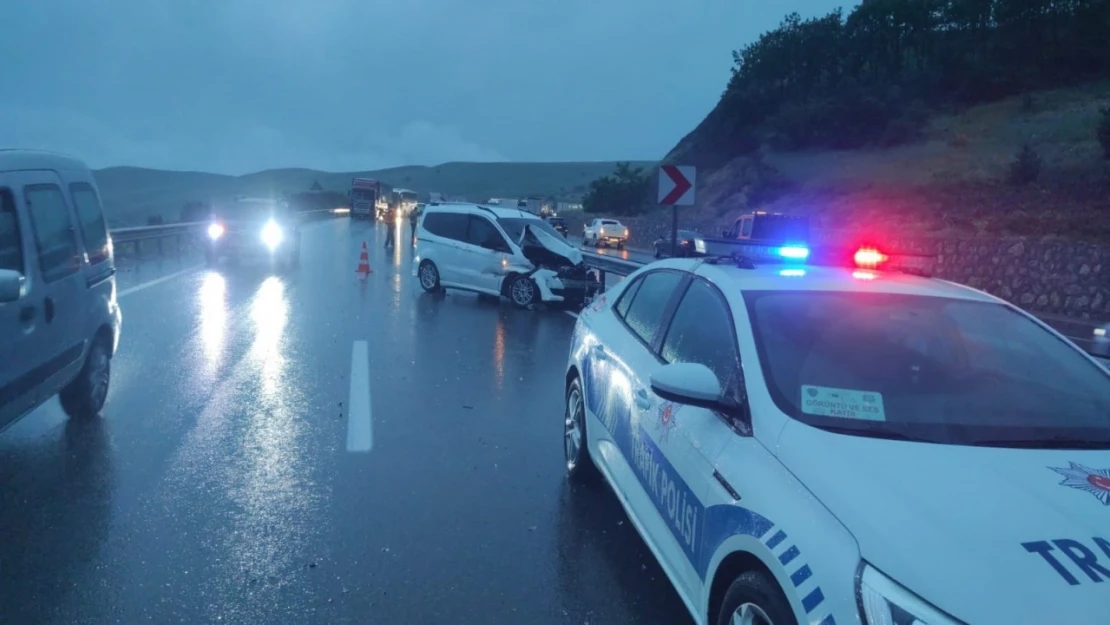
(950, 182)
(908, 121)
(132, 195)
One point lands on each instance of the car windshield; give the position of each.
(928, 368)
(362, 194)
(610, 222)
(514, 226)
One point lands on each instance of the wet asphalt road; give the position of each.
(217, 485)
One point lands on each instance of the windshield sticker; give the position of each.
(1094, 481)
(842, 403)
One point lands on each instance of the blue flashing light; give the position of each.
(794, 252)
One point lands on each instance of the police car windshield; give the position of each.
(514, 226)
(926, 368)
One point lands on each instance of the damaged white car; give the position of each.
(503, 252)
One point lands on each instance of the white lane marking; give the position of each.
(147, 285)
(572, 314)
(360, 429)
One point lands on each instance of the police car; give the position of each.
(831, 442)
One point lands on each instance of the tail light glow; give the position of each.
(869, 257)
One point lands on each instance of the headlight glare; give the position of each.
(884, 602)
(215, 231)
(699, 246)
(271, 234)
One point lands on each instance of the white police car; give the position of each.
(821, 444)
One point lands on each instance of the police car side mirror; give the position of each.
(11, 286)
(687, 383)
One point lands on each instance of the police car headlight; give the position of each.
(699, 246)
(271, 235)
(884, 602)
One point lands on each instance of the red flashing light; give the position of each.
(869, 257)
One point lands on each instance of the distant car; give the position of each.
(559, 224)
(845, 444)
(260, 229)
(605, 232)
(59, 319)
(687, 244)
(499, 251)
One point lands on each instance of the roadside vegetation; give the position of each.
(948, 117)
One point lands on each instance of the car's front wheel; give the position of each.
(429, 276)
(523, 292)
(84, 396)
(754, 599)
(580, 467)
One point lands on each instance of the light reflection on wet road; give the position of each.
(217, 486)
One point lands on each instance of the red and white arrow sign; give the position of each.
(676, 185)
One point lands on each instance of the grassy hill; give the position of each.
(951, 181)
(906, 119)
(132, 194)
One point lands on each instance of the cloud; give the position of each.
(240, 85)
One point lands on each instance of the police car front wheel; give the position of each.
(580, 467)
(753, 598)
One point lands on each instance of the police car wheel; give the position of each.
(84, 396)
(580, 467)
(523, 292)
(754, 599)
(429, 276)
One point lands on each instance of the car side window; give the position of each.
(447, 225)
(626, 297)
(746, 227)
(484, 234)
(91, 220)
(645, 312)
(701, 332)
(11, 246)
(53, 230)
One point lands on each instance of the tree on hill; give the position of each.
(868, 78)
(316, 186)
(624, 192)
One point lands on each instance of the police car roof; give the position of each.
(16, 160)
(777, 277)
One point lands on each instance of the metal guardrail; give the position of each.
(183, 232)
(1087, 334)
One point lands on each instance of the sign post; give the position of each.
(676, 188)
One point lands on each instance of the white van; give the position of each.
(499, 251)
(59, 319)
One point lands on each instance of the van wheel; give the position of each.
(523, 292)
(84, 396)
(429, 276)
(580, 467)
(753, 599)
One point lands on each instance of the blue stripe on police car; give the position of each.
(699, 531)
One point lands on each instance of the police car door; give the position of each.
(699, 331)
(658, 478)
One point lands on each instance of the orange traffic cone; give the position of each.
(364, 262)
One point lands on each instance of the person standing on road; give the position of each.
(414, 215)
(390, 226)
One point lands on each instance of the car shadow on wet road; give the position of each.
(602, 561)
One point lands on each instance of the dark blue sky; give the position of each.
(234, 86)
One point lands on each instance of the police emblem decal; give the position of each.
(667, 413)
(1094, 481)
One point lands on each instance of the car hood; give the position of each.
(988, 535)
(552, 245)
